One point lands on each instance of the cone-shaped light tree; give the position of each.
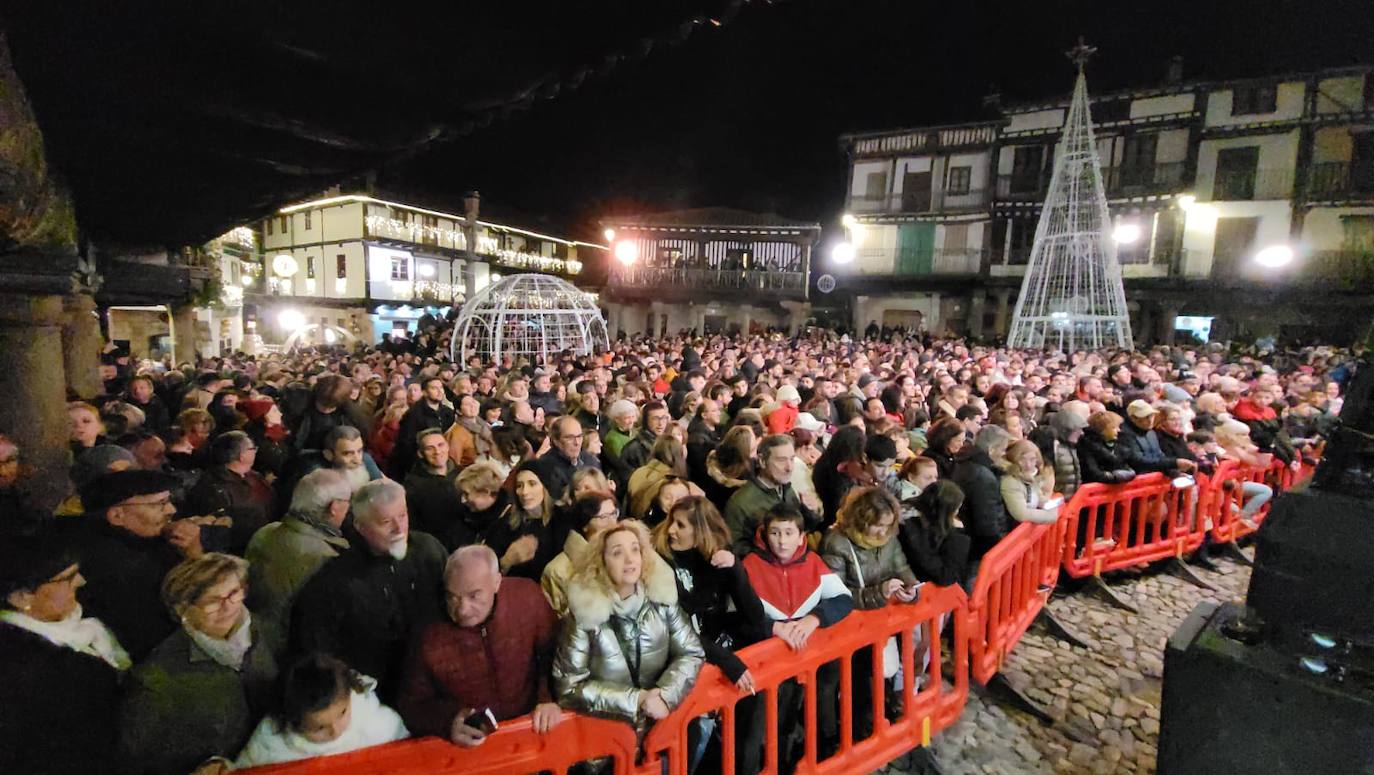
(1072, 297)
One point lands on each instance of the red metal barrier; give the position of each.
(1014, 582)
(514, 748)
(927, 711)
(517, 748)
(1136, 523)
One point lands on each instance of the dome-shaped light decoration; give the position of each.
(534, 317)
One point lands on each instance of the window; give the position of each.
(1138, 159)
(400, 269)
(309, 264)
(1027, 166)
(269, 225)
(281, 224)
(341, 266)
(1247, 100)
(959, 180)
(875, 186)
(1111, 110)
(1236, 169)
(308, 215)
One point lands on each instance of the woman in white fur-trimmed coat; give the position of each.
(628, 650)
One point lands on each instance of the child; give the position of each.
(326, 708)
(799, 594)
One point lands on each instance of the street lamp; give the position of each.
(609, 234)
(1126, 232)
(1275, 256)
(626, 251)
(842, 252)
(1186, 202)
(285, 265)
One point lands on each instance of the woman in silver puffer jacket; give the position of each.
(628, 651)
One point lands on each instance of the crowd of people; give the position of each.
(277, 557)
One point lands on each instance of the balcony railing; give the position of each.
(1246, 185)
(913, 262)
(746, 282)
(1144, 179)
(1347, 268)
(1025, 187)
(1339, 179)
(919, 202)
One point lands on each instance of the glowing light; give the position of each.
(340, 285)
(310, 286)
(1126, 232)
(291, 319)
(247, 280)
(609, 234)
(626, 251)
(426, 270)
(330, 337)
(1186, 202)
(1275, 256)
(842, 253)
(849, 221)
(285, 265)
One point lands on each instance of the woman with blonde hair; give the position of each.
(628, 651)
(1233, 436)
(1027, 485)
(197, 424)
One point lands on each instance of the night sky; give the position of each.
(748, 115)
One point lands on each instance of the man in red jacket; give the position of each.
(493, 653)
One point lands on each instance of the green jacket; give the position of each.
(616, 441)
(746, 508)
(282, 556)
(181, 707)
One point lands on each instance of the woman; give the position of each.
(84, 429)
(711, 586)
(325, 708)
(201, 692)
(629, 651)
(1172, 433)
(585, 407)
(729, 465)
(523, 536)
(509, 448)
(1097, 455)
(1233, 436)
(386, 425)
(840, 468)
(861, 549)
(936, 549)
(197, 425)
(1008, 421)
(266, 430)
(589, 516)
(1027, 485)
(944, 440)
(667, 458)
(482, 501)
(61, 672)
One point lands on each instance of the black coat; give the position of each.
(985, 514)
(701, 440)
(60, 709)
(944, 462)
(124, 581)
(1100, 460)
(417, 418)
(1141, 451)
(941, 561)
(431, 499)
(724, 607)
(315, 425)
(636, 451)
(469, 526)
(500, 535)
(361, 607)
(556, 471)
(155, 414)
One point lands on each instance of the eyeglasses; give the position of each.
(229, 598)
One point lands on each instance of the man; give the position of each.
(429, 412)
(362, 605)
(556, 467)
(770, 485)
(493, 650)
(470, 436)
(1138, 444)
(541, 394)
(430, 495)
(978, 474)
(326, 412)
(284, 555)
(343, 450)
(140, 394)
(20, 513)
(703, 436)
(127, 542)
(655, 421)
(230, 487)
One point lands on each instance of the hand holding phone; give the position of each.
(483, 721)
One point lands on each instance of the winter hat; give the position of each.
(120, 486)
(788, 393)
(808, 422)
(1140, 409)
(96, 462)
(257, 408)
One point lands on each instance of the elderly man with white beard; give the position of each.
(362, 605)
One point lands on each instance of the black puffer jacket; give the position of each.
(1100, 461)
(985, 515)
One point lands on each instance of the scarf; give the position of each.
(274, 433)
(230, 651)
(628, 608)
(87, 636)
(863, 541)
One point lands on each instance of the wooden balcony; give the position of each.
(917, 202)
(1340, 180)
(674, 282)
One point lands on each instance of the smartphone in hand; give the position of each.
(483, 721)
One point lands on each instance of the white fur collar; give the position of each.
(590, 604)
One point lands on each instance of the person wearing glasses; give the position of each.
(62, 668)
(589, 515)
(565, 456)
(128, 540)
(200, 693)
(232, 488)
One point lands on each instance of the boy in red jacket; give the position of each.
(799, 594)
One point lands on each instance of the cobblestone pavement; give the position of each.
(1105, 698)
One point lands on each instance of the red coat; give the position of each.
(503, 664)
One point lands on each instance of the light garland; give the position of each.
(413, 232)
(231, 295)
(522, 260)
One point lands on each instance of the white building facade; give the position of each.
(352, 267)
(1200, 178)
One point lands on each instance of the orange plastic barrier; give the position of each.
(1224, 500)
(514, 748)
(1014, 582)
(1136, 523)
(927, 711)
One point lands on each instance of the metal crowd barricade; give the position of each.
(926, 709)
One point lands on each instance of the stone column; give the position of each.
(81, 345)
(183, 334)
(34, 385)
(1003, 311)
(977, 303)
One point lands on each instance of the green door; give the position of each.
(915, 248)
